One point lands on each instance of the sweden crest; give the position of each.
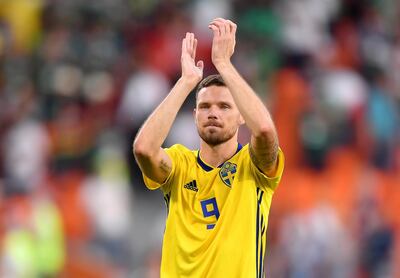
(227, 173)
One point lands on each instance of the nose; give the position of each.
(212, 113)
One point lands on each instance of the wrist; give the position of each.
(222, 65)
(188, 83)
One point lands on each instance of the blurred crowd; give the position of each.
(79, 77)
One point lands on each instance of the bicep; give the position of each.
(157, 167)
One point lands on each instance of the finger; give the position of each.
(224, 25)
(215, 29)
(227, 28)
(217, 21)
(232, 26)
(200, 65)
(194, 48)
(221, 20)
(191, 36)
(184, 46)
(187, 39)
(220, 25)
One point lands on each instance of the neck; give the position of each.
(216, 155)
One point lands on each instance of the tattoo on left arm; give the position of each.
(164, 167)
(266, 157)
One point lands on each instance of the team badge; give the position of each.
(227, 173)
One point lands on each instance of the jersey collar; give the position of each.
(207, 167)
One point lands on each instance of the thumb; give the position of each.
(200, 64)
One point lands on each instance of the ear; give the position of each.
(241, 120)
(194, 115)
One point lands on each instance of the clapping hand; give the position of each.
(224, 40)
(191, 71)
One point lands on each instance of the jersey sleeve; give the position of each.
(265, 181)
(175, 155)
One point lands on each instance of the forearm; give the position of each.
(254, 112)
(151, 158)
(155, 130)
(264, 139)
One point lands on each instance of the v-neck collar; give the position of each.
(207, 167)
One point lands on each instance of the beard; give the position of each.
(215, 137)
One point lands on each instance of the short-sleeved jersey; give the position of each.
(217, 217)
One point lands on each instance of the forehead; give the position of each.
(214, 94)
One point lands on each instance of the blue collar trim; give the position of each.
(209, 168)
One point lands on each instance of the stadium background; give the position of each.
(79, 77)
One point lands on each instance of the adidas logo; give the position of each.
(191, 186)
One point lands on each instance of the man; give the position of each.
(218, 198)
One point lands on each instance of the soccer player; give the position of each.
(218, 197)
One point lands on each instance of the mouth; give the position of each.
(212, 124)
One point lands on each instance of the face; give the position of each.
(216, 114)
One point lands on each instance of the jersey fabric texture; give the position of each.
(217, 217)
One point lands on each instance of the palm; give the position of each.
(189, 68)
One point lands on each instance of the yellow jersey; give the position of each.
(217, 217)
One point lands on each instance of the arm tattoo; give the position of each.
(266, 157)
(165, 167)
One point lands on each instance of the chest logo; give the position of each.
(191, 186)
(227, 173)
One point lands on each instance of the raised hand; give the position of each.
(224, 40)
(191, 71)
